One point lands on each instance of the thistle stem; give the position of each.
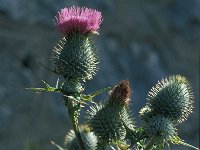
(74, 118)
(150, 144)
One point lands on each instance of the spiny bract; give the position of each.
(76, 57)
(171, 98)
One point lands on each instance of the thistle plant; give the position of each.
(110, 124)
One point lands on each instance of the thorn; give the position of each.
(45, 67)
(57, 83)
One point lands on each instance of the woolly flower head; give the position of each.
(78, 19)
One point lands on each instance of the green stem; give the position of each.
(74, 118)
(150, 144)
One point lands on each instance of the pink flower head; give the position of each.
(76, 19)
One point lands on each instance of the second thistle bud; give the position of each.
(110, 121)
(171, 98)
(159, 127)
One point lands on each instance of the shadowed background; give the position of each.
(140, 40)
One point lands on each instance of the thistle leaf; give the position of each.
(92, 95)
(47, 88)
(179, 141)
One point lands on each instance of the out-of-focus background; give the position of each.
(140, 40)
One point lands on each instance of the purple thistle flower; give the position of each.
(76, 19)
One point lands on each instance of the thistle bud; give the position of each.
(161, 128)
(171, 98)
(106, 123)
(76, 57)
(110, 121)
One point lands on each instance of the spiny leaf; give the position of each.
(179, 141)
(92, 95)
(99, 92)
(47, 88)
(75, 99)
(38, 90)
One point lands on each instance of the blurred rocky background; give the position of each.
(140, 40)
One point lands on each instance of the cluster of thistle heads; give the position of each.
(75, 57)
